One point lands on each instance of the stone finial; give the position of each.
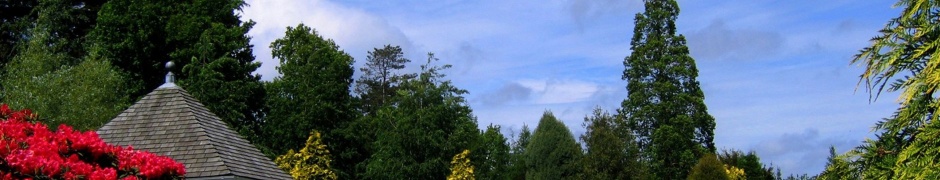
(170, 79)
(169, 72)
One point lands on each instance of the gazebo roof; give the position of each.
(170, 122)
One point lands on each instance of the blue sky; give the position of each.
(776, 74)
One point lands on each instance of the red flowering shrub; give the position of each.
(29, 150)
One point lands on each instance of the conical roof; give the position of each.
(170, 122)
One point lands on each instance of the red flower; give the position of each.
(31, 151)
(4, 110)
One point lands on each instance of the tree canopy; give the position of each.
(300, 100)
(665, 106)
(426, 123)
(553, 152)
(205, 38)
(903, 58)
(52, 72)
(612, 151)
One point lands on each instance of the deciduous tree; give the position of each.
(312, 92)
(50, 74)
(311, 162)
(206, 38)
(460, 167)
(425, 124)
(749, 163)
(612, 152)
(708, 168)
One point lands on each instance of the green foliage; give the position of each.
(907, 148)
(749, 163)
(14, 26)
(838, 167)
(426, 123)
(708, 168)
(204, 37)
(311, 162)
(552, 152)
(665, 106)
(376, 87)
(612, 152)
(517, 167)
(312, 92)
(379, 81)
(492, 158)
(921, 160)
(877, 157)
(81, 91)
(68, 20)
(460, 167)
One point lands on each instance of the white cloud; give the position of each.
(550, 91)
(354, 30)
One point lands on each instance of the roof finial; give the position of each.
(170, 79)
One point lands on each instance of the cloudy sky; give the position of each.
(776, 74)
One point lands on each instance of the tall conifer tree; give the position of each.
(665, 106)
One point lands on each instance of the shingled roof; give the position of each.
(170, 122)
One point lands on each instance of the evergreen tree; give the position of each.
(517, 167)
(553, 152)
(379, 81)
(905, 56)
(838, 167)
(424, 125)
(312, 92)
(204, 37)
(665, 106)
(492, 158)
(611, 151)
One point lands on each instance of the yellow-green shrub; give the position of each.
(312, 162)
(460, 167)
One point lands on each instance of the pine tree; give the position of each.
(379, 79)
(665, 106)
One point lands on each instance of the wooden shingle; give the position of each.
(170, 122)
